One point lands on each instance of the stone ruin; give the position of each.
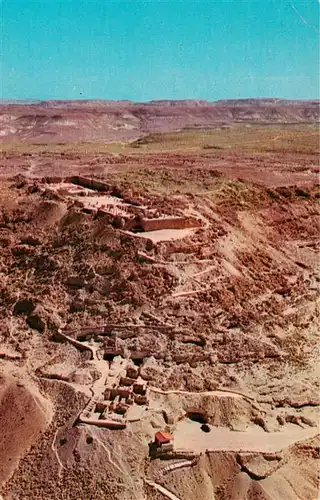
(93, 196)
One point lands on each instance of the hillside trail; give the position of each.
(162, 489)
(218, 393)
(30, 170)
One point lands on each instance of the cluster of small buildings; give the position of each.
(122, 398)
(129, 390)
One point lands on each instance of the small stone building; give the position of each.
(140, 388)
(164, 441)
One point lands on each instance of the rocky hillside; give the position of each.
(219, 320)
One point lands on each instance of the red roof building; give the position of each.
(162, 437)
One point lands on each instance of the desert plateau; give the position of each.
(159, 300)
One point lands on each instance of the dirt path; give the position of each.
(179, 465)
(162, 489)
(98, 386)
(102, 367)
(55, 451)
(217, 393)
(31, 168)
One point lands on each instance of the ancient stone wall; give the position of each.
(169, 223)
(89, 183)
(53, 180)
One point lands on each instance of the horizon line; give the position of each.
(9, 100)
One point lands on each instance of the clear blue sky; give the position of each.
(143, 50)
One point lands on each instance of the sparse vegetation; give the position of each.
(295, 138)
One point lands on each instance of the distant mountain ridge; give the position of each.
(20, 101)
(161, 102)
(109, 121)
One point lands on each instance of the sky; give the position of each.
(157, 49)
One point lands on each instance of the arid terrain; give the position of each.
(159, 301)
(50, 122)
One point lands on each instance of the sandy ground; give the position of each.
(101, 202)
(189, 436)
